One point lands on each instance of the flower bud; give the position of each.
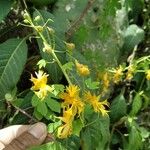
(39, 28)
(50, 30)
(37, 18)
(47, 48)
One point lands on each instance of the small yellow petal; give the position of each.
(148, 74)
(82, 70)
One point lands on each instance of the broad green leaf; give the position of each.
(50, 146)
(52, 103)
(132, 37)
(13, 55)
(136, 105)
(5, 6)
(37, 114)
(118, 108)
(35, 100)
(71, 143)
(77, 127)
(50, 115)
(42, 108)
(96, 133)
(135, 140)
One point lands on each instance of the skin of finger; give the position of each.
(10, 133)
(1, 146)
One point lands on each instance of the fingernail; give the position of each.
(38, 130)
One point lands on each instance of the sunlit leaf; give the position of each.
(13, 55)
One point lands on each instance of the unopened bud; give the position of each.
(39, 28)
(26, 16)
(47, 48)
(37, 18)
(70, 46)
(26, 21)
(8, 97)
(50, 30)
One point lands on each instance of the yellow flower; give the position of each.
(65, 130)
(68, 116)
(96, 104)
(72, 100)
(106, 82)
(130, 72)
(70, 47)
(40, 86)
(148, 74)
(82, 70)
(118, 74)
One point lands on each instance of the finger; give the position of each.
(34, 136)
(9, 133)
(1, 146)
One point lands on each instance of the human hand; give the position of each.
(21, 137)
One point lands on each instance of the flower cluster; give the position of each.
(40, 86)
(97, 105)
(118, 72)
(72, 106)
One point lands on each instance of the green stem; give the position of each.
(57, 60)
(53, 54)
(61, 67)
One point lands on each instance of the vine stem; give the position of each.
(57, 60)
(60, 65)
(52, 52)
(23, 112)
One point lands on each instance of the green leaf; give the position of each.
(57, 89)
(5, 6)
(41, 63)
(50, 146)
(132, 37)
(77, 127)
(53, 126)
(35, 100)
(52, 103)
(136, 105)
(42, 108)
(50, 115)
(91, 84)
(38, 115)
(13, 55)
(144, 133)
(118, 108)
(71, 143)
(96, 133)
(135, 139)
